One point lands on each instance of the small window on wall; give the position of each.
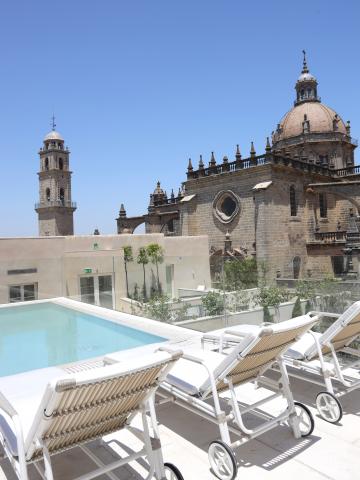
(293, 205)
(48, 194)
(62, 195)
(61, 164)
(46, 164)
(323, 205)
(22, 293)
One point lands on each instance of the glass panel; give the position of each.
(87, 290)
(169, 280)
(105, 291)
(15, 293)
(29, 292)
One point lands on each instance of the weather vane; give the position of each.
(53, 124)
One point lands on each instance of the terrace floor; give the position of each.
(331, 452)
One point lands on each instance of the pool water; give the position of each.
(46, 334)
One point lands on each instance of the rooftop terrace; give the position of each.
(331, 452)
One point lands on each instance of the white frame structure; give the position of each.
(334, 376)
(257, 352)
(78, 408)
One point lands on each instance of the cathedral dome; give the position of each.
(53, 135)
(320, 118)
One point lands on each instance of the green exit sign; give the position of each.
(87, 270)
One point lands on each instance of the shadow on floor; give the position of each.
(267, 451)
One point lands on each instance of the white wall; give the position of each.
(254, 316)
(60, 261)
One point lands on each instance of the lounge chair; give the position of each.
(46, 412)
(200, 376)
(315, 358)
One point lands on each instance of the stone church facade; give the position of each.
(295, 207)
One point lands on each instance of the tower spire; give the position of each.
(53, 124)
(305, 67)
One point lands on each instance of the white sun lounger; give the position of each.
(46, 412)
(315, 358)
(200, 377)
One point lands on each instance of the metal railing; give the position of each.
(330, 237)
(56, 203)
(315, 137)
(230, 166)
(344, 172)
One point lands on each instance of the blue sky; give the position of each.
(140, 86)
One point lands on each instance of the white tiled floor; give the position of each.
(332, 452)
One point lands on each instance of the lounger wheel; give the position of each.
(172, 472)
(329, 407)
(306, 420)
(222, 460)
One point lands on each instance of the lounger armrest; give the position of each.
(15, 438)
(325, 314)
(175, 354)
(6, 406)
(202, 362)
(351, 351)
(191, 358)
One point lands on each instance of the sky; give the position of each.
(139, 86)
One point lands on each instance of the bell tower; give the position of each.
(55, 208)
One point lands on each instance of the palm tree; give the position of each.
(156, 255)
(143, 259)
(128, 257)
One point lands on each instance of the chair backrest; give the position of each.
(90, 404)
(342, 332)
(257, 352)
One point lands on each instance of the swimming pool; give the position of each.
(47, 334)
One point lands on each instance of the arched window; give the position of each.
(296, 266)
(48, 194)
(293, 205)
(62, 195)
(323, 205)
(46, 163)
(61, 164)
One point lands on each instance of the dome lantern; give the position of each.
(306, 85)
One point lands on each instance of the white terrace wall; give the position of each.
(59, 262)
(248, 317)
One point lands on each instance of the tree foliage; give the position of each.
(305, 289)
(155, 254)
(213, 303)
(128, 257)
(297, 310)
(143, 259)
(240, 274)
(271, 296)
(267, 315)
(158, 308)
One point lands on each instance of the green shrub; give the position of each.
(308, 306)
(267, 316)
(297, 310)
(240, 274)
(213, 303)
(158, 308)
